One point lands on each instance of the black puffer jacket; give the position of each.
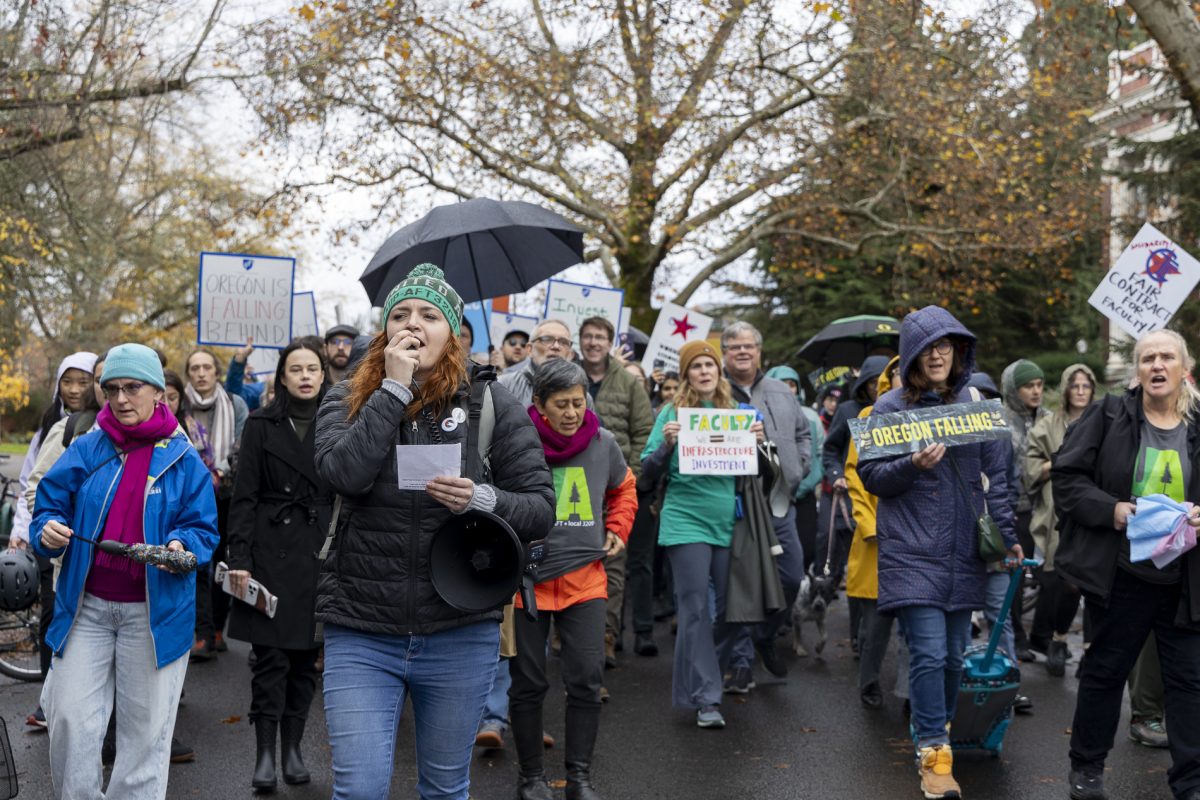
(377, 579)
(1091, 473)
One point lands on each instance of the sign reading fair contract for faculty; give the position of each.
(1147, 284)
(244, 298)
(905, 432)
(717, 442)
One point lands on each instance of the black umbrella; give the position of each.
(487, 248)
(846, 341)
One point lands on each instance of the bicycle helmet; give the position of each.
(18, 580)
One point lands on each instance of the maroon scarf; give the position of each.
(559, 448)
(117, 574)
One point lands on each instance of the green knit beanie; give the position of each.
(427, 282)
(1027, 371)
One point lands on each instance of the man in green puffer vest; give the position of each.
(623, 405)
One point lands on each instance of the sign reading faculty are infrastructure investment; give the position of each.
(717, 442)
(904, 432)
(245, 298)
(1149, 282)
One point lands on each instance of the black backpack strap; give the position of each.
(481, 420)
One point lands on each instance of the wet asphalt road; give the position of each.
(807, 737)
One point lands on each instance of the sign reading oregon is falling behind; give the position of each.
(243, 298)
(1149, 282)
(903, 432)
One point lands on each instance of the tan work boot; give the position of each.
(610, 650)
(935, 765)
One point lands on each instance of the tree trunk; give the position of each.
(637, 279)
(1174, 26)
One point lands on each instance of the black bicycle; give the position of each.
(20, 656)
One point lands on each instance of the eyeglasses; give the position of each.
(130, 389)
(340, 341)
(942, 347)
(594, 337)
(737, 348)
(546, 341)
(516, 342)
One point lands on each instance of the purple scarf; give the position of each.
(561, 448)
(118, 578)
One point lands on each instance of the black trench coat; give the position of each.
(277, 523)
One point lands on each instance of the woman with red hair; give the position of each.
(388, 634)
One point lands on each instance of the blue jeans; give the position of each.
(937, 640)
(110, 648)
(367, 677)
(995, 589)
(495, 711)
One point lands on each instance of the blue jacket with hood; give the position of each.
(928, 550)
(179, 504)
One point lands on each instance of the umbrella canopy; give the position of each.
(487, 248)
(846, 341)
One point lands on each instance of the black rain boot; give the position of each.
(291, 732)
(534, 787)
(526, 727)
(1056, 659)
(582, 726)
(264, 765)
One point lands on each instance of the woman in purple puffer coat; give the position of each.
(930, 572)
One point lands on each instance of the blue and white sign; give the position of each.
(245, 297)
(304, 315)
(1147, 284)
(503, 324)
(262, 361)
(574, 302)
(478, 313)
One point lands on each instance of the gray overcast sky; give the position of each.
(331, 270)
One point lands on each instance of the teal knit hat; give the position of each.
(136, 362)
(1027, 371)
(427, 282)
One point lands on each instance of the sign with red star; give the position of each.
(682, 326)
(675, 327)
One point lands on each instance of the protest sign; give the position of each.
(574, 302)
(903, 432)
(477, 314)
(503, 324)
(243, 297)
(1146, 286)
(263, 360)
(675, 327)
(626, 320)
(820, 378)
(304, 315)
(717, 442)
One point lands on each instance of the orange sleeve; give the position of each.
(620, 506)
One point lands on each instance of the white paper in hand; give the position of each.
(418, 464)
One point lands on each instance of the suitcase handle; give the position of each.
(1005, 608)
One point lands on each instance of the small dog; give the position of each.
(816, 593)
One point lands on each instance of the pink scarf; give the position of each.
(561, 448)
(118, 578)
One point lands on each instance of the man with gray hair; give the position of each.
(741, 346)
(551, 339)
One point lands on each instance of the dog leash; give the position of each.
(839, 504)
